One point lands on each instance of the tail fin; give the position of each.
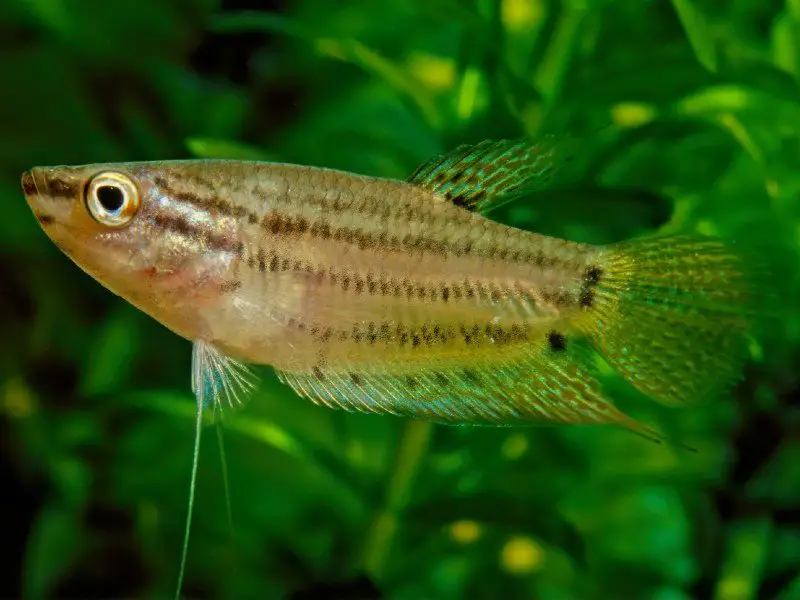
(669, 313)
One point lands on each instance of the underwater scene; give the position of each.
(400, 300)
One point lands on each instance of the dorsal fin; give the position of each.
(483, 176)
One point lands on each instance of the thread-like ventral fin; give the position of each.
(215, 378)
(218, 379)
(486, 175)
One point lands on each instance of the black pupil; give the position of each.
(110, 198)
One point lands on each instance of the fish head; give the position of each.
(134, 227)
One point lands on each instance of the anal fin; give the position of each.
(533, 384)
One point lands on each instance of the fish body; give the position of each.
(399, 296)
(269, 262)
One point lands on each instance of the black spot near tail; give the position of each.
(586, 298)
(591, 278)
(557, 341)
(593, 275)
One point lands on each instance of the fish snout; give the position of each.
(29, 184)
(39, 189)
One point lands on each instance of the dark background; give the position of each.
(692, 112)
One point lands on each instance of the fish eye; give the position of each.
(112, 198)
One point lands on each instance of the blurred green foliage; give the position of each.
(691, 111)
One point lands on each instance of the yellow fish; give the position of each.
(401, 297)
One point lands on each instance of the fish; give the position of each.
(403, 297)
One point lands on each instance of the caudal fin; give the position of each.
(670, 314)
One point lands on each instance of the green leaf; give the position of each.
(704, 103)
(346, 50)
(53, 545)
(747, 550)
(698, 32)
(785, 42)
(19, 229)
(555, 63)
(111, 358)
(779, 480)
(179, 405)
(251, 20)
(215, 148)
(792, 591)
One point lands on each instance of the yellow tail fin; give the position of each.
(670, 314)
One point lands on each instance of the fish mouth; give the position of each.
(31, 189)
(29, 184)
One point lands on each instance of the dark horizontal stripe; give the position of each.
(423, 336)
(443, 291)
(365, 207)
(60, 188)
(279, 223)
(183, 227)
(295, 226)
(45, 219)
(369, 208)
(213, 202)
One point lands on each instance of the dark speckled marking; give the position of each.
(211, 202)
(230, 286)
(28, 185)
(593, 275)
(556, 341)
(591, 278)
(183, 227)
(586, 299)
(63, 189)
